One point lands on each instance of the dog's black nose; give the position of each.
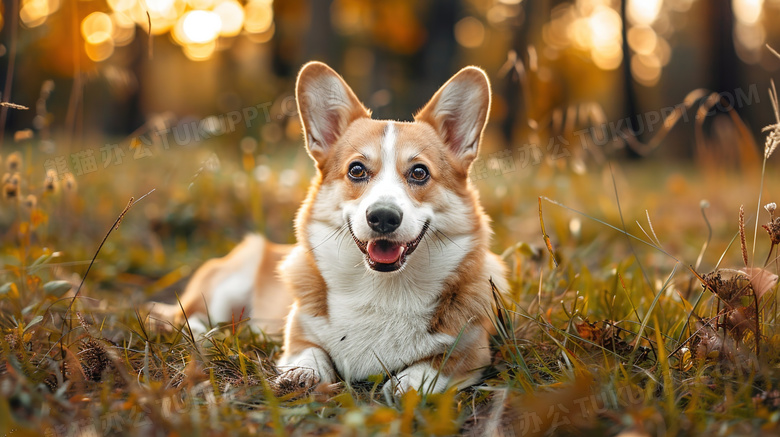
(384, 217)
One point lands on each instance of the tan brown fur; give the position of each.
(306, 284)
(270, 300)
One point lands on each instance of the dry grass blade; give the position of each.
(187, 322)
(643, 231)
(703, 206)
(773, 139)
(625, 231)
(742, 241)
(614, 228)
(150, 43)
(650, 224)
(130, 204)
(65, 319)
(774, 52)
(546, 237)
(13, 106)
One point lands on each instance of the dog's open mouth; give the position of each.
(385, 255)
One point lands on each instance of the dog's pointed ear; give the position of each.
(327, 106)
(459, 111)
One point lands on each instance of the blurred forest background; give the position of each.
(113, 74)
(194, 98)
(646, 115)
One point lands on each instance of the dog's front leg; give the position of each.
(421, 376)
(462, 366)
(304, 363)
(306, 369)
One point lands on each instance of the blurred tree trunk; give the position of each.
(319, 38)
(435, 63)
(725, 145)
(630, 105)
(303, 33)
(724, 60)
(7, 66)
(517, 114)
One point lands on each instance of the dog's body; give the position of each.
(242, 284)
(392, 266)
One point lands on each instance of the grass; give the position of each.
(622, 329)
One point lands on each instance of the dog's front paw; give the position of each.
(304, 371)
(420, 377)
(295, 380)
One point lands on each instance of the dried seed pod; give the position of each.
(14, 162)
(69, 184)
(51, 184)
(30, 201)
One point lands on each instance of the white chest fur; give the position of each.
(380, 320)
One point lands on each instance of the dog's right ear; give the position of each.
(327, 106)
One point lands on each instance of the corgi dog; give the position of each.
(391, 271)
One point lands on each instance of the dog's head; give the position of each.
(392, 184)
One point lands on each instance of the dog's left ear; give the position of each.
(459, 112)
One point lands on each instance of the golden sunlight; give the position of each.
(643, 12)
(201, 27)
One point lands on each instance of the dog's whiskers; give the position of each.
(438, 232)
(427, 224)
(428, 246)
(330, 235)
(439, 242)
(343, 235)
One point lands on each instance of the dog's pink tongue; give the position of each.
(384, 252)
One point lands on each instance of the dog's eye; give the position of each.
(357, 172)
(419, 174)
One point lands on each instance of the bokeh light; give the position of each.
(201, 27)
(196, 25)
(259, 16)
(202, 4)
(163, 14)
(605, 29)
(595, 28)
(231, 15)
(33, 13)
(591, 26)
(749, 32)
(97, 29)
(123, 31)
(121, 5)
(643, 12)
(99, 46)
(200, 52)
(96, 22)
(159, 7)
(646, 69)
(747, 11)
(642, 39)
(469, 32)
